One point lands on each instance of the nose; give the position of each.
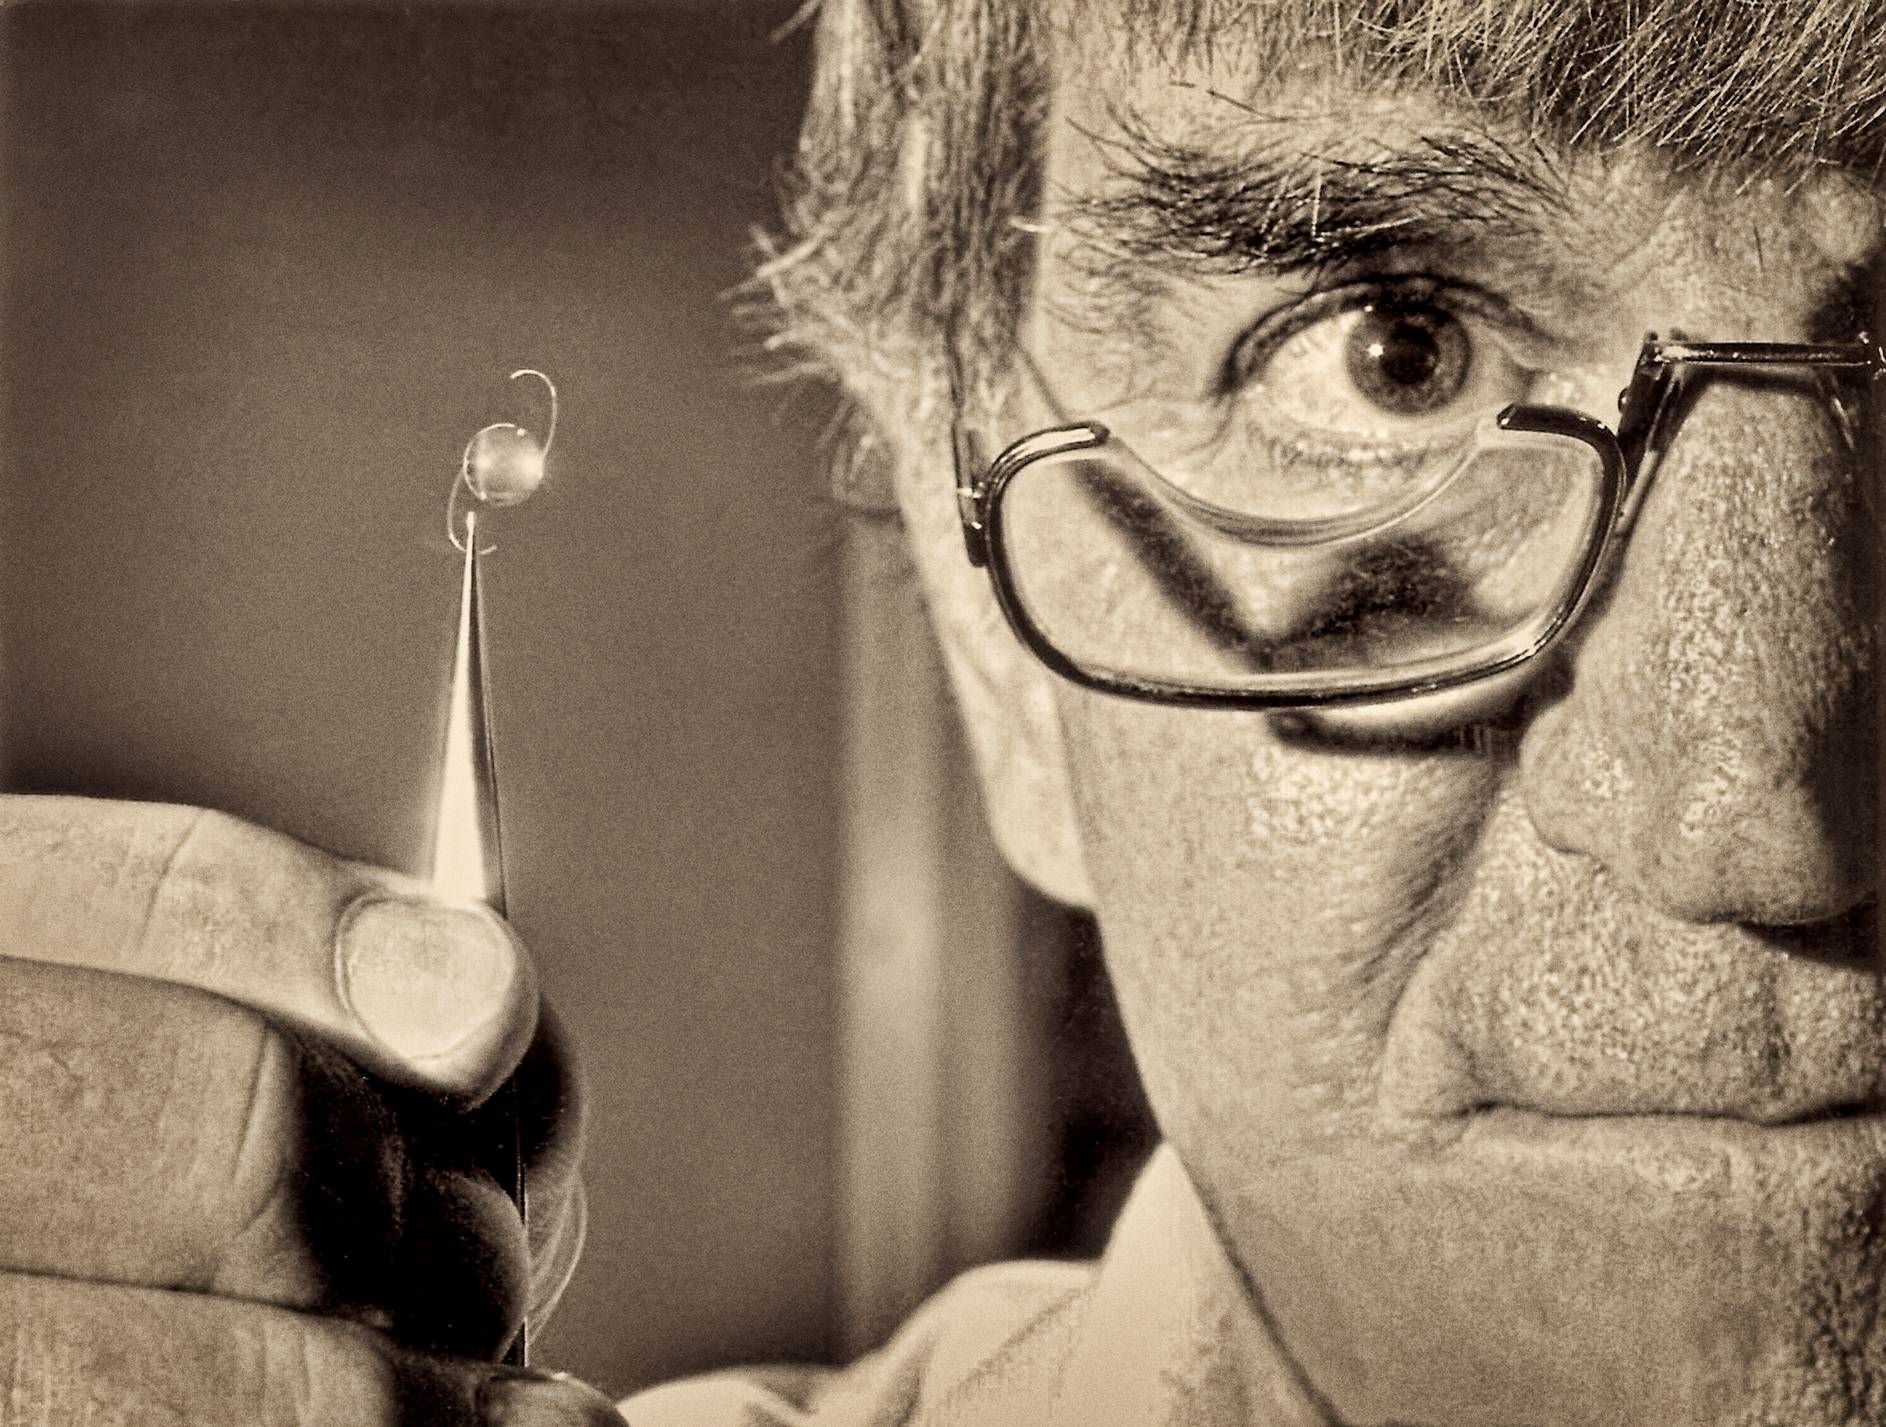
(1716, 749)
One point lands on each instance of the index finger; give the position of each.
(424, 993)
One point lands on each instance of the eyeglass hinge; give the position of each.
(969, 491)
(975, 533)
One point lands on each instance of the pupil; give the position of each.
(1408, 360)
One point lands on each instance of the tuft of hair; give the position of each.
(1771, 83)
(904, 212)
(898, 233)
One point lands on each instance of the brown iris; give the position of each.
(1410, 359)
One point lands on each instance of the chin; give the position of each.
(1618, 1271)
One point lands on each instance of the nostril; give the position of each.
(1764, 856)
(1709, 832)
(1850, 938)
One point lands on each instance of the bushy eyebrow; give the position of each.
(1278, 207)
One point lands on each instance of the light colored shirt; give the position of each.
(1160, 1333)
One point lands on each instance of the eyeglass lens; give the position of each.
(1466, 557)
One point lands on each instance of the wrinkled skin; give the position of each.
(240, 1082)
(1515, 1077)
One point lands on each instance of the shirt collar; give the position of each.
(1170, 1333)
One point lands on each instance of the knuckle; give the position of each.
(294, 1376)
(289, 1370)
(73, 1353)
(146, 1126)
(181, 910)
(260, 1248)
(221, 886)
(258, 1161)
(224, 1109)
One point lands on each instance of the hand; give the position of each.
(239, 1085)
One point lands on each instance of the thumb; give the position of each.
(433, 995)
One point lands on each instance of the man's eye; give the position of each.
(1411, 361)
(1390, 368)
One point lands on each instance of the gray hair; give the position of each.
(921, 144)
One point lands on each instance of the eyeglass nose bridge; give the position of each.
(1652, 406)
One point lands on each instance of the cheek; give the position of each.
(1262, 906)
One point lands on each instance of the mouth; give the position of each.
(1781, 1089)
(1617, 1021)
(1525, 1122)
(1840, 1152)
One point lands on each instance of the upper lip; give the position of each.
(1766, 1026)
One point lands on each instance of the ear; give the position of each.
(1008, 700)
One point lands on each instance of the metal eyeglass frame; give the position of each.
(1649, 410)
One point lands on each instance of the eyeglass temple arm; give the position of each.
(1647, 408)
(976, 478)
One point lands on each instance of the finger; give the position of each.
(399, 1206)
(420, 992)
(544, 1121)
(162, 1137)
(146, 1130)
(82, 1353)
(459, 1279)
(550, 1104)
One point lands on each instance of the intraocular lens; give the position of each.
(504, 464)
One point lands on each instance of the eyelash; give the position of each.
(1252, 351)
(1312, 456)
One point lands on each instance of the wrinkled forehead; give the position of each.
(1730, 85)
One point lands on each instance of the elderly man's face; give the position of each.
(1533, 1076)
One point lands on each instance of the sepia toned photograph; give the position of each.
(925, 713)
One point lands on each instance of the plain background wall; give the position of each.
(262, 265)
